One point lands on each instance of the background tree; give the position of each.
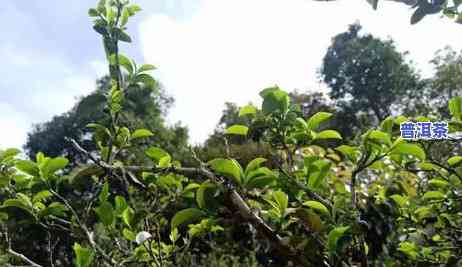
(145, 107)
(447, 81)
(367, 77)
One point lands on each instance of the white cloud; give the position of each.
(13, 127)
(230, 50)
(99, 67)
(37, 87)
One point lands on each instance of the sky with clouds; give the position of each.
(207, 52)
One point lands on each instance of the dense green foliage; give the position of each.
(368, 77)
(300, 195)
(144, 107)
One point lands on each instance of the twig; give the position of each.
(50, 249)
(159, 246)
(307, 190)
(19, 255)
(237, 202)
(84, 228)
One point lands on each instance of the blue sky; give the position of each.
(207, 52)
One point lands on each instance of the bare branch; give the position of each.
(19, 255)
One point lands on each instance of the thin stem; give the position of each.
(84, 228)
(19, 255)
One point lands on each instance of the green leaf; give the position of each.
(204, 194)
(120, 205)
(186, 216)
(116, 100)
(55, 208)
(133, 9)
(123, 36)
(328, 134)
(237, 129)
(456, 160)
(146, 79)
(348, 151)
(247, 110)
(28, 167)
(42, 195)
(387, 125)
(146, 67)
(400, 119)
(110, 14)
(262, 171)
(127, 216)
(274, 100)
(25, 199)
(141, 133)
(159, 155)
(129, 235)
(84, 171)
(334, 236)
(409, 149)
(3, 217)
(409, 248)
(54, 165)
(92, 12)
(455, 107)
(282, 200)
(380, 136)
(104, 192)
(100, 27)
(83, 256)
(316, 177)
(101, 6)
(433, 195)
(438, 182)
(191, 187)
(427, 166)
(418, 15)
(101, 133)
(105, 213)
(9, 153)
(423, 212)
(254, 164)
(260, 181)
(399, 199)
(315, 120)
(318, 206)
(174, 235)
(18, 204)
(228, 167)
(123, 61)
(124, 17)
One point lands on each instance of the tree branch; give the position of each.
(19, 255)
(84, 228)
(237, 202)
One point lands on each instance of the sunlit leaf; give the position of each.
(318, 206)
(237, 130)
(247, 110)
(186, 216)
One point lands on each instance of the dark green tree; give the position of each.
(145, 107)
(367, 76)
(447, 81)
